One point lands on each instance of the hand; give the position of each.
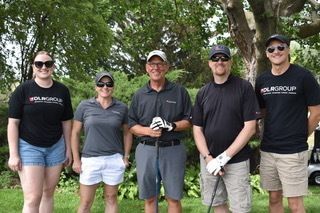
(158, 122)
(68, 160)
(14, 163)
(76, 166)
(223, 159)
(126, 161)
(213, 166)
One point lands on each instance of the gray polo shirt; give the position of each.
(102, 127)
(172, 103)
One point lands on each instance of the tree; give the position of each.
(252, 22)
(73, 31)
(180, 28)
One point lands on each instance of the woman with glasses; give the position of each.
(107, 144)
(289, 99)
(39, 129)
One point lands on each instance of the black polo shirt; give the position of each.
(222, 109)
(172, 103)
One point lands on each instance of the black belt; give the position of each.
(161, 143)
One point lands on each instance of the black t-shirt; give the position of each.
(172, 103)
(286, 99)
(41, 111)
(222, 109)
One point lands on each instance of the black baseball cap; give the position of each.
(222, 49)
(103, 74)
(278, 37)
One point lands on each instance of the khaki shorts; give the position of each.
(286, 172)
(235, 181)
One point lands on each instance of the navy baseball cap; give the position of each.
(219, 49)
(103, 74)
(278, 37)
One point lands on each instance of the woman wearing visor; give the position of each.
(107, 144)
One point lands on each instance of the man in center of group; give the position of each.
(224, 119)
(159, 113)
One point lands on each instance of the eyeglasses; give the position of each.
(154, 65)
(102, 84)
(222, 58)
(39, 64)
(271, 49)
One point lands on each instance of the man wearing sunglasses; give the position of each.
(224, 119)
(287, 94)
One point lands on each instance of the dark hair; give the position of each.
(42, 52)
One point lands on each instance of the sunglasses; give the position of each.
(271, 49)
(39, 64)
(222, 58)
(102, 84)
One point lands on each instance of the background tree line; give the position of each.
(116, 35)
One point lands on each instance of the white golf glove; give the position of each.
(216, 164)
(158, 122)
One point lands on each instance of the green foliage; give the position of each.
(129, 188)
(68, 29)
(68, 182)
(4, 155)
(255, 184)
(3, 123)
(191, 182)
(8, 179)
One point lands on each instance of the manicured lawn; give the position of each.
(65, 202)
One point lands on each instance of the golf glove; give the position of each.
(216, 164)
(158, 122)
(223, 159)
(213, 166)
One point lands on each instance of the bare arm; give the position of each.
(66, 127)
(242, 139)
(75, 145)
(314, 118)
(14, 162)
(182, 125)
(127, 139)
(201, 142)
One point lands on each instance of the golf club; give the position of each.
(157, 174)
(213, 193)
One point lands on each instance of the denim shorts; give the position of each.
(42, 156)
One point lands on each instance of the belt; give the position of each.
(161, 143)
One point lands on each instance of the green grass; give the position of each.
(11, 202)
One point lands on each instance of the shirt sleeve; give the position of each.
(16, 103)
(251, 109)
(79, 113)
(197, 112)
(312, 90)
(68, 111)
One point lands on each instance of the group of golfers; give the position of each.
(286, 100)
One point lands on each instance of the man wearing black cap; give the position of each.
(224, 119)
(159, 113)
(286, 94)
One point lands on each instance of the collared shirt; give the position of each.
(172, 103)
(102, 127)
